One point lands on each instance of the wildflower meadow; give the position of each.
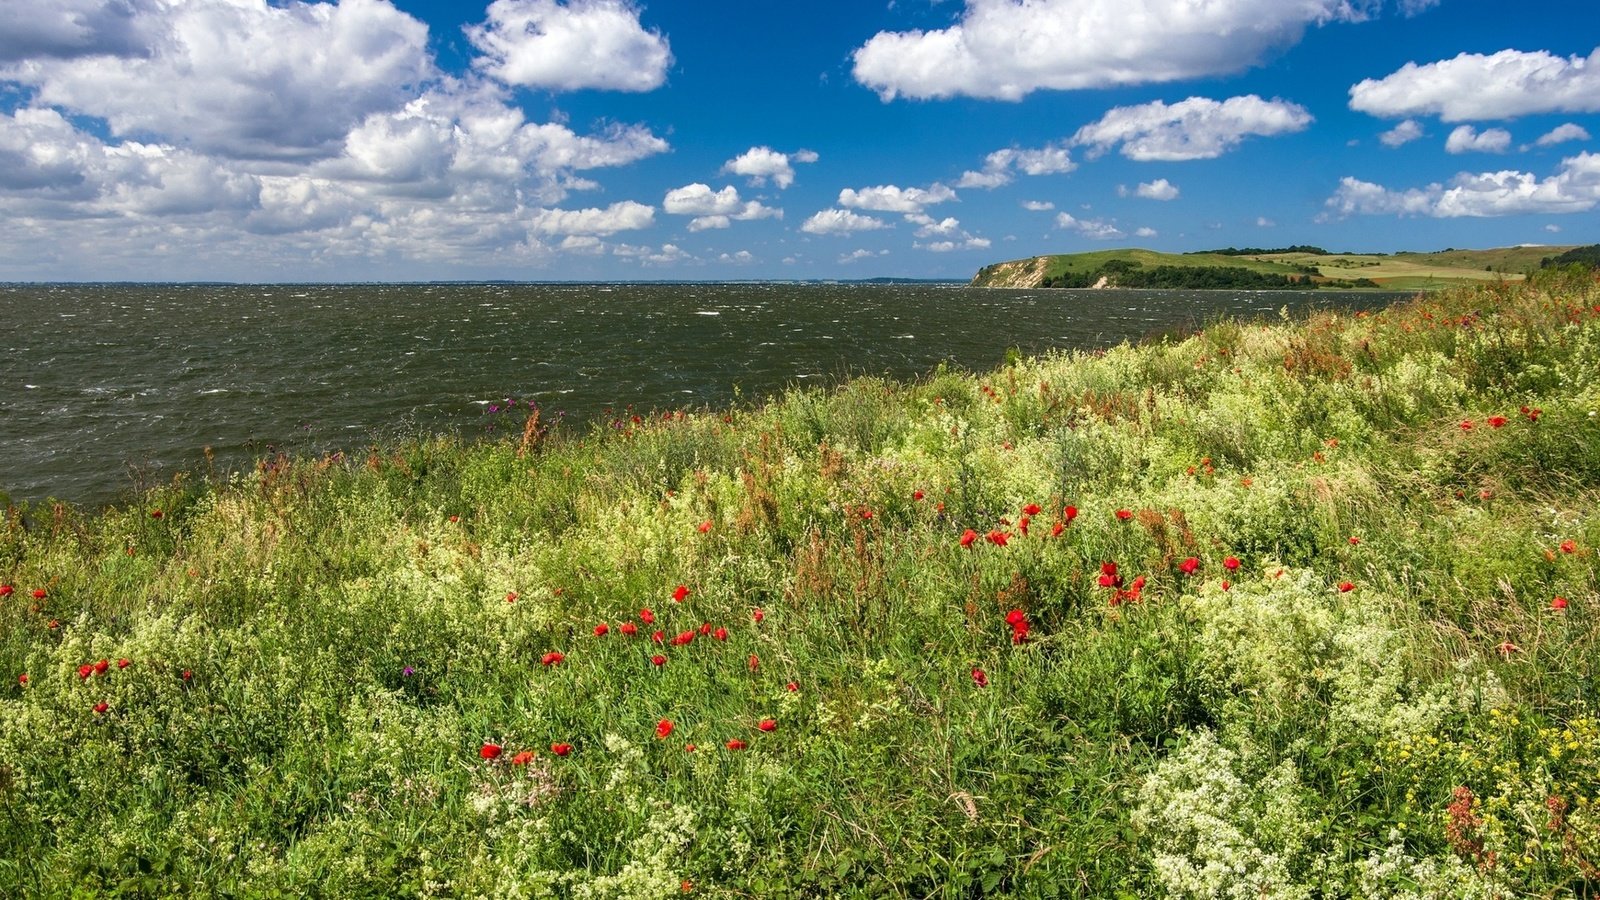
(1293, 609)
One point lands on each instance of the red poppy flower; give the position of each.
(1506, 648)
(455, 519)
(998, 538)
(523, 758)
(679, 593)
(1056, 530)
(658, 660)
(85, 670)
(54, 624)
(1016, 616)
(628, 629)
(101, 707)
(1569, 547)
(1032, 509)
(188, 675)
(22, 679)
(736, 744)
(511, 596)
(1496, 421)
(967, 537)
(101, 666)
(1533, 414)
(1231, 563)
(647, 617)
(1226, 585)
(720, 634)
(1355, 541)
(683, 638)
(705, 526)
(123, 663)
(553, 658)
(755, 662)
(1346, 587)
(1071, 512)
(767, 725)
(1019, 632)
(490, 751)
(866, 513)
(1022, 526)
(155, 513)
(658, 636)
(792, 686)
(705, 628)
(1558, 603)
(917, 495)
(980, 678)
(561, 749)
(1124, 514)
(1466, 424)
(39, 594)
(663, 728)
(757, 614)
(6, 590)
(602, 630)
(1189, 566)
(688, 748)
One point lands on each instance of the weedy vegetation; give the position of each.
(1288, 609)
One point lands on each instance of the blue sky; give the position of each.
(608, 139)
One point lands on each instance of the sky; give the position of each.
(403, 140)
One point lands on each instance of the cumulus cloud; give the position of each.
(624, 216)
(665, 255)
(241, 78)
(1038, 205)
(1144, 232)
(1160, 189)
(954, 237)
(1563, 133)
(970, 243)
(1005, 49)
(1574, 188)
(567, 47)
(998, 166)
(714, 209)
(892, 198)
(740, 258)
(1466, 139)
(1097, 229)
(1196, 128)
(72, 28)
(1502, 85)
(858, 255)
(1401, 134)
(759, 164)
(840, 221)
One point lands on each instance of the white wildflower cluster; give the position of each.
(1218, 829)
(653, 856)
(1394, 874)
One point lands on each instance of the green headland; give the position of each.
(1285, 268)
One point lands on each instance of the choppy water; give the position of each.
(103, 383)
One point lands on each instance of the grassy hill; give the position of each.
(1400, 271)
(1283, 609)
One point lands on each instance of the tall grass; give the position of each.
(1345, 673)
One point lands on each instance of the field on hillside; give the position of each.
(1288, 609)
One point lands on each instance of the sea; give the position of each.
(106, 388)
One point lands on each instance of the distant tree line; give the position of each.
(1584, 256)
(1258, 251)
(1128, 274)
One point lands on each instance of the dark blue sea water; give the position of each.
(106, 386)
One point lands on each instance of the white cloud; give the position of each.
(969, 243)
(71, 28)
(1196, 128)
(858, 255)
(1264, 222)
(1563, 133)
(1553, 229)
(1466, 139)
(1503, 85)
(666, 255)
(1574, 188)
(1401, 134)
(237, 78)
(571, 46)
(934, 228)
(998, 166)
(1004, 49)
(714, 209)
(1092, 228)
(740, 258)
(762, 163)
(1038, 205)
(891, 198)
(1144, 231)
(1160, 189)
(624, 216)
(840, 221)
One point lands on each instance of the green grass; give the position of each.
(318, 651)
